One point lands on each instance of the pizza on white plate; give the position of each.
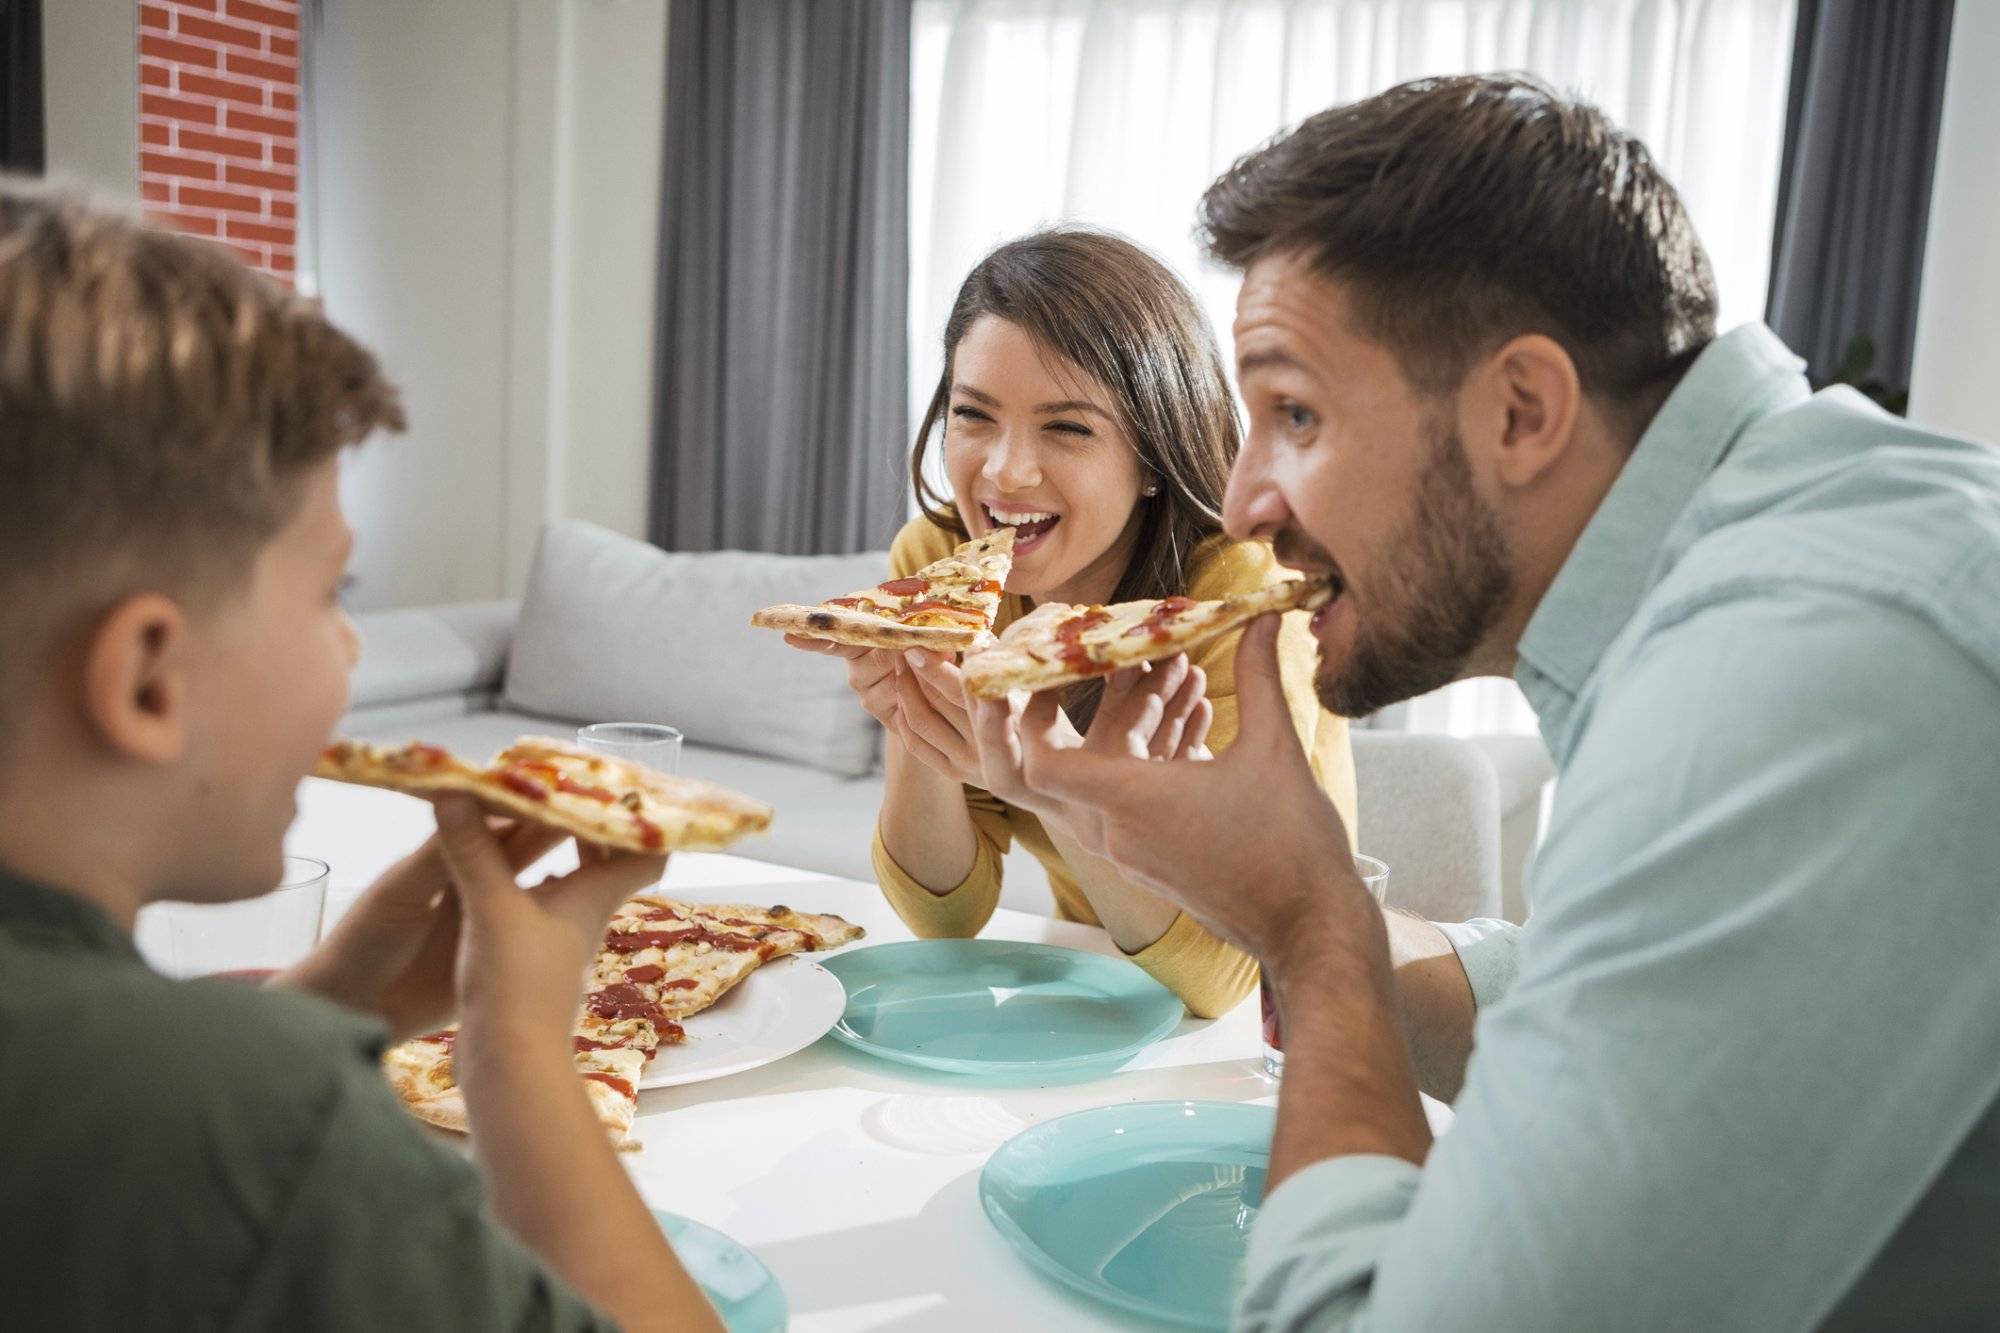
(1057, 644)
(947, 606)
(663, 961)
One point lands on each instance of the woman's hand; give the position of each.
(871, 673)
(932, 720)
(917, 696)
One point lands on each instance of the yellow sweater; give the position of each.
(1209, 975)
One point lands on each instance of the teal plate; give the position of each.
(735, 1281)
(1147, 1206)
(998, 1007)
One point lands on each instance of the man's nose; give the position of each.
(1253, 507)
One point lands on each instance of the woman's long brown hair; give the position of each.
(1117, 313)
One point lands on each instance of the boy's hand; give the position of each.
(392, 952)
(522, 953)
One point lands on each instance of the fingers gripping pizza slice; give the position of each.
(1057, 644)
(599, 799)
(948, 605)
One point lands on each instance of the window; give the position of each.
(1120, 112)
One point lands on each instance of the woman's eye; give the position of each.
(1298, 418)
(1068, 427)
(963, 413)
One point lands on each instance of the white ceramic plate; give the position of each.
(782, 1007)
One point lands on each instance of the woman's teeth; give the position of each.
(1027, 525)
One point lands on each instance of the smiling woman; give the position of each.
(1084, 405)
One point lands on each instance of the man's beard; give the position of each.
(1445, 582)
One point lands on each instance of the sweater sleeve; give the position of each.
(965, 910)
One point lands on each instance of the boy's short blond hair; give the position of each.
(158, 403)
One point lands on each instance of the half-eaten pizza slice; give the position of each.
(947, 606)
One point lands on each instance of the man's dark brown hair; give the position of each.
(1464, 211)
(159, 403)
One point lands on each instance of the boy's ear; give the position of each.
(135, 675)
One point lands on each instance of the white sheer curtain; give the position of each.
(1120, 112)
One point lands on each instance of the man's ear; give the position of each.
(1532, 399)
(135, 675)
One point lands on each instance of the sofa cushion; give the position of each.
(614, 629)
(429, 651)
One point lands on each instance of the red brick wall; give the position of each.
(219, 123)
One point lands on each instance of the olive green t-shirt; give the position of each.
(212, 1155)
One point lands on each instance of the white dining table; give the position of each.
(855, 1180)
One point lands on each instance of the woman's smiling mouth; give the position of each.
(1030, 525)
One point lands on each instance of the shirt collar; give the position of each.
(1738, 378)
(43, 916)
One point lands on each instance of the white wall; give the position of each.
(1956, 364)
(90, 78)
(609, 133)
(487, 201)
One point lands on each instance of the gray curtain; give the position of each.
(1854, 192)
(21, 146)
(781, 397)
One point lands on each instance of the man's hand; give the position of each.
(1157, 711)
(1247, 843)
(392, 952)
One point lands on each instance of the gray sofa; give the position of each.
(1454, 819)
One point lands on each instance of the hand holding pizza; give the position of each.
(1247, 843)
(391, 954)
(1156, 711)
(522, 953)
(871, 672)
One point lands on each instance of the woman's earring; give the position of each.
(1152, 488)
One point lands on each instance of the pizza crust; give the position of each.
(837, 624)
(1030, 655)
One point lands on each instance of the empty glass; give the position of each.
(1375, 878)
(653, 744)
(254, 937)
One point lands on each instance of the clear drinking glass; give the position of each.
(1375, 878)
(251, 938)
(653, 744)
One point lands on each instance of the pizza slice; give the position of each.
(946, 606)
(1057, 644)
(599, 799)
(685, 956)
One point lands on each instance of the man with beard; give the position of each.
(1741, 1068)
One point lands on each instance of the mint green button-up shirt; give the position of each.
(1741, 1069)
